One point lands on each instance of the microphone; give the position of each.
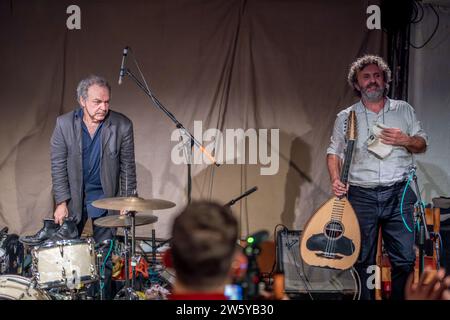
(246, 193)
(250, 191)
(122, 67)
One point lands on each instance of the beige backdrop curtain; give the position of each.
(229, 63)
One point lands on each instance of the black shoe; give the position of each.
(49, 229)
(67, 231)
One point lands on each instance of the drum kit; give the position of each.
(63, 269)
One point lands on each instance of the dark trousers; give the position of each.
(445, 257)
(377, 207)
(103, 238)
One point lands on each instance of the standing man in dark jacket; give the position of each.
(92, 156)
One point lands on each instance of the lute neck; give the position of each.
(347, 161)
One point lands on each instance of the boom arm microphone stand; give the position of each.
(191, 140)
(251, 251)
(188, 145)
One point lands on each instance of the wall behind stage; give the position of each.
(429, 93)
(229, 63)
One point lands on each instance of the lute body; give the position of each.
(332, 238)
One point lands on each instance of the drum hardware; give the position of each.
(129, 221)
(2, 253)
(58, 294)
(127, 291)
(101, 276)
(11, 253)
(63, 274)
(101, 261)
(34, 270)
(3, 237)
(27, 262)
(92, 270)
(155, 274)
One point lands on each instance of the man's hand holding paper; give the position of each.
(394, 136)
(376, 144)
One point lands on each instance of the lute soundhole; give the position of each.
(333, 230)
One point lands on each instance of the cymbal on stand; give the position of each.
(124, 221)
(132, 204)
(120, 235)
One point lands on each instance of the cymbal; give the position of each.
(132, 204)
(121, 236)
(124, 221)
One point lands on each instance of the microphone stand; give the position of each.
(192, 141)
(245, 194)
(424, 235)
(187, 149)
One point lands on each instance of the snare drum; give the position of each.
(13, 287)
(66, 263)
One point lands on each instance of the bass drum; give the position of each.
(13, 287)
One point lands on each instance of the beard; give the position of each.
(372, 96)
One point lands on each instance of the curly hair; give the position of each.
(363, 62)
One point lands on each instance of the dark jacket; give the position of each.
(117, 159)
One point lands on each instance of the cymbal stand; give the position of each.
(134, 259)
(153, 248)
(153, 269)
(128, 290)
(99, 268)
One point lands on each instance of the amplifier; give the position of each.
(302, 278)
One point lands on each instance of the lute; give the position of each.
(331, 237)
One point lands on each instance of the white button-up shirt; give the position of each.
(366, 169)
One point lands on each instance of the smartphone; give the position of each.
(233, 291)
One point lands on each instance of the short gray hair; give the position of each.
(85, 84)
(363, 62)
